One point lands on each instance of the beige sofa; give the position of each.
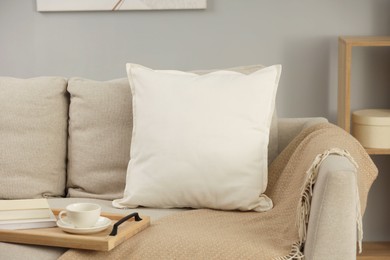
(68, 140)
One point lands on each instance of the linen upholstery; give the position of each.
(33, 133)
(23, 252)
(100, 125)
(335, 195)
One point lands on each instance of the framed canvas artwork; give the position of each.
(116, 5)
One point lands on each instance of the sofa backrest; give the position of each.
(72, 136)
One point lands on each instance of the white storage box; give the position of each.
(372, 127)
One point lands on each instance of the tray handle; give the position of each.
(116, 225)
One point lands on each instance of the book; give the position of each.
(26, 214)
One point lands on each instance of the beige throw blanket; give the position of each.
(276, 234)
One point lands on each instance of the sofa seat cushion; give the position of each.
(33, 134)
(23, 252)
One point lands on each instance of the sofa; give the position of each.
(67, 140)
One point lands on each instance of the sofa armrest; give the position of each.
(288, 128)
(332, 224)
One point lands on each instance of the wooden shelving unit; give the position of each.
(374, 151)
(344, 72)
(371, 250)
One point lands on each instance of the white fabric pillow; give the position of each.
(273, 146)
(200, 141)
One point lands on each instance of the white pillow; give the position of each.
(200, 141)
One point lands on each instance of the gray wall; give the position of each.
(300, 35)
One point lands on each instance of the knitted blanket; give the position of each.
(275, 234)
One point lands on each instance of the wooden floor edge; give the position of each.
(378, 250)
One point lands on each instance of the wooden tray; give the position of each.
(101, 241)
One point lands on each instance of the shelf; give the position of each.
(377, 151)
(366, 41)
(375, 251)
(344, 73)
(371, 250)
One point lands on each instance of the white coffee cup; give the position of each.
(81, 215)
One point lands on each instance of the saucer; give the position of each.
(100, 225)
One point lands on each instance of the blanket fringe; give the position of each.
(296, 253)
(305, 203)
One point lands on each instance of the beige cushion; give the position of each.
(100, 125)
(200, 141)
(33, 132)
